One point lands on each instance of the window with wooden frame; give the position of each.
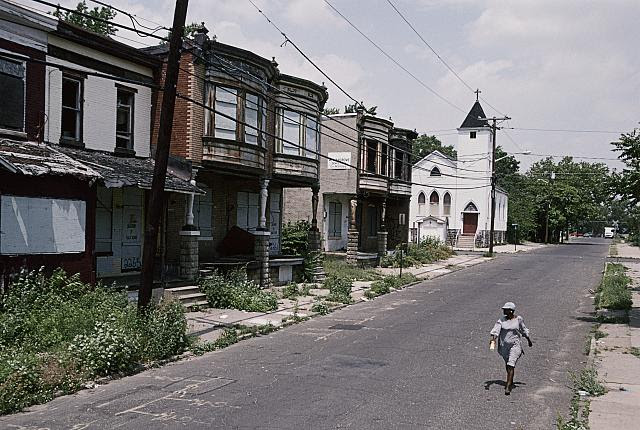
(297, 133)
(371, 156)
(335, 220)
(383, 158)
(446, 204)
(72, 104)
(235, 114)
(12, 91)
(124, 118)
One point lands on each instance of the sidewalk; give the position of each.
(508, 248)
(624, 250)
(618, 362)
(209, 324)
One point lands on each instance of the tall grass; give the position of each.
(613, 292)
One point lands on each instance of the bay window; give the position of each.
(251, 118)
(226, 103)
(298, 134)
(235, 114)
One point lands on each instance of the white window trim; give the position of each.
(23, 61)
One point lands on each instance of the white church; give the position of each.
(451, 199)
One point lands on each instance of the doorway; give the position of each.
(469, 223)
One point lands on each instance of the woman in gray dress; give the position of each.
(508, 332)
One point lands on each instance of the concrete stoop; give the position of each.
(189, 296)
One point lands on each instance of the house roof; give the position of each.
(437, 154)
(116, 172)
(431, 217)
(472, 121)
(33, 159)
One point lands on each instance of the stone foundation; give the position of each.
(482, 238)
(452, 237)
(189, 254)
(382, 243)
(262, 256)
(314, 239)
(352, 247)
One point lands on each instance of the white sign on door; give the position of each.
(336, 159)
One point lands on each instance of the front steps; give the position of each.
(189, 296)
(466, 241)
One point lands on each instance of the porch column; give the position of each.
(264, 194)
(353, 235)
(382, 233)
(189, 261)
(262, 235)
(314, 238)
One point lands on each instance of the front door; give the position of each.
(469, 223)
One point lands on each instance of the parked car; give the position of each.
(587, 234)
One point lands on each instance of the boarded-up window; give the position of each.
(12, 94)
(41, 226)
(247, 210)
(335, 219)
(372, 221)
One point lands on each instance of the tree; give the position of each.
(352, 109)
(628, 181)
(331, 111)
(506, 166)
(425, 145)
(96, 25)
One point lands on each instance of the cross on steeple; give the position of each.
(477, 91)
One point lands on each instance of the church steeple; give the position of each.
(472, 121)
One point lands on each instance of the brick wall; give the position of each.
(34, 88)
(181, 132)
(296, 204)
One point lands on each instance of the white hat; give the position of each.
(509, 305)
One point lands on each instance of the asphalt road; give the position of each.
(417, 358)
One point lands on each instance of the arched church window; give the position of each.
(421, 203)
(435, 171)
(434, 203)
(446, 204)
(471, 208)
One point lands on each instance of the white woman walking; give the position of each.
(508, 332)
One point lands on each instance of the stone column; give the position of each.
(382, 232)
(189, 260)
(264, 194)
(261, 251)
(353, 235)
(314, 238)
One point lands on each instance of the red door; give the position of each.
(469, 223)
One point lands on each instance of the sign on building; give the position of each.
(336, 159)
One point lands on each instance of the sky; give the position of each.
(547, 64)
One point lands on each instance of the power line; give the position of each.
(438, 55)
(396, 62)
(315, 152)
(565, 130)
(104, 21)
(287, 40)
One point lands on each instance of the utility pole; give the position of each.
(494, 129)
(156, 196)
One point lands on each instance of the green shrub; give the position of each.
(295, 238)
(293, 290)
(587, 380)
(425, 252)
(385, 285)
(57, 332)
(613, 292)
(320, 308)
(339, 289)
(234, 291)
(337, 266)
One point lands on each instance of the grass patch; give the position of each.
(339, 289)
(578, 419)
(634, 350)
(293, 290)
(320, 308)
(233, 290)
(338, 267)
(428, 251)
(232, 335)
(612, 293)
(57, 333)
(385, 285)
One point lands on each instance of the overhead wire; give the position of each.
(396, 62)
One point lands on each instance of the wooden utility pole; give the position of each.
(156, 196)
(494, 129)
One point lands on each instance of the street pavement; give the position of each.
(417, 358)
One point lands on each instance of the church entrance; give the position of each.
(469, 223)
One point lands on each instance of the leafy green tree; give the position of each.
(331, 111)
(352, 109)
(425, 145)
(628, 181)
(93, 22)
